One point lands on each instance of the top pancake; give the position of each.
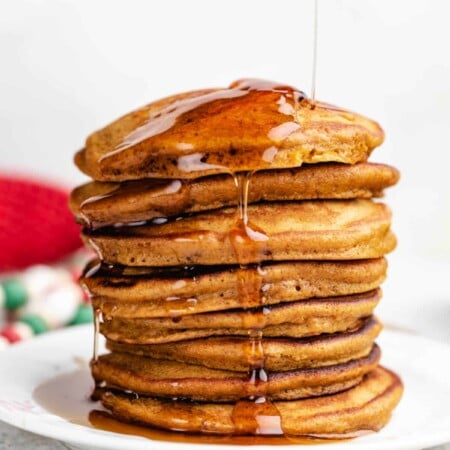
(98, 204)
(251, 125)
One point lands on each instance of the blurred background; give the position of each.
(69, 67)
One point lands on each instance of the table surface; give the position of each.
(416, 296)
(14, 439)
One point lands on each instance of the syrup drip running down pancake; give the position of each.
(309, 230)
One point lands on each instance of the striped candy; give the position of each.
(43, 298)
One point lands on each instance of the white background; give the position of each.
(69, 67)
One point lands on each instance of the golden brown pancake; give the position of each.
(98, 204)
(231, 309)
(367, 406)
(280, 354)
(251, 125)
(162, 378)
(296, 320)
(310, 230)
(143, 292)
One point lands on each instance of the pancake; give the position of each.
(240, 253)
(99, 204)
(154, 377)
(143, 292)
(251, 125)
(280, 354)
(297, 319)
(367, 406)
(310, 230)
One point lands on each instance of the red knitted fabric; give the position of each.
(36, 225)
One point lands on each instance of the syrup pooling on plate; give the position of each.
(74, 386)
(267, 110)
(104, 421)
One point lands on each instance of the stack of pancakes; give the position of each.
(240, 254)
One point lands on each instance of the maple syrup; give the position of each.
(68, 396)
(180, 114)
(104, 421)
(314, 55)
(265, 109)
(176, 307)
(158, 188)
(256, 415)
(98, 319)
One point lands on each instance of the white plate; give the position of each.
(421, 420)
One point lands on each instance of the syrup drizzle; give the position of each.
(104, 421)
(166, 118)
(265, 108)
(177, 307)
(98, 318)
(162, 198)
(158, 188)
(257, 415)
(314, 55)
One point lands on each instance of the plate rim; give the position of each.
(39, 424)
